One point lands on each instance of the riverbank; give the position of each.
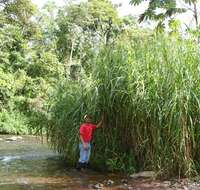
(26, 163)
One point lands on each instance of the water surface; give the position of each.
(29, 164)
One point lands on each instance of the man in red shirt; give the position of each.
(86, 130)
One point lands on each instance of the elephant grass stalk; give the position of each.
(149, 92)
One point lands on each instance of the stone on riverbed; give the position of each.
(127, 187)
(108, 182)
(97, 186)
(124, 181)
(145, 174)
(13, 138)
(1, 139)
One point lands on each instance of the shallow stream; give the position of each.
(28, 164)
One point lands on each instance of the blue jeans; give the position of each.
(84, 154)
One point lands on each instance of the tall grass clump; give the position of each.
(148, 91)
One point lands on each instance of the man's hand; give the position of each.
(101, 121)
(85, 146)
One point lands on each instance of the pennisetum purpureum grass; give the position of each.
(149, 92)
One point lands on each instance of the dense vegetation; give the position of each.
(83, 58)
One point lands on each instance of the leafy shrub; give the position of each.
(13, 123)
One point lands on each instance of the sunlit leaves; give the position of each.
(159, 10)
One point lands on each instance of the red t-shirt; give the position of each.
(86, 131)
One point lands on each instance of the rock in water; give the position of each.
(108, 182)
(13, 138)
(145, 174)
(124, 181)
(98, 186)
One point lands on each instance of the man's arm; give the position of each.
(100, 122)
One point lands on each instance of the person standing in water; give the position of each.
(85, 132)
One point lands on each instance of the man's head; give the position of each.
(87, 118)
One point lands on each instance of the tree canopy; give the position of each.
(160, 11)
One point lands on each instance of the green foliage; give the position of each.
(169, 10)
(45, 65)
(81, 27)
(149, 94)
(122, 163)
(61, 63)
(19, 12)
(13, 122)
(6, 88)
(28, 69)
